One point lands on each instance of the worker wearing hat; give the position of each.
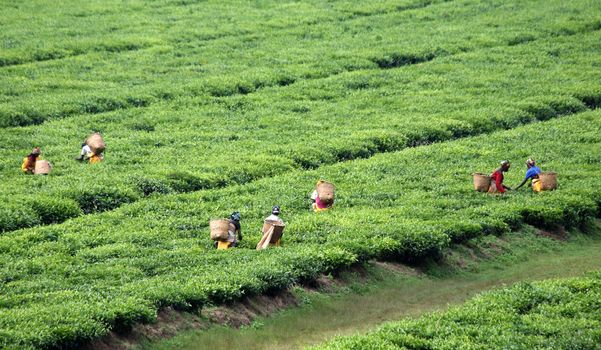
(274, 218)
(275, 215)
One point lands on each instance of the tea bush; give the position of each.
(97, 272)
(556, 314)
(204, 114)
(13, 217)
(55, 210)
(202, 144)
(97, 199)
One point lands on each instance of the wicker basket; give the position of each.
(96, 143)
(548, 180)
(219, 229)
(42, 167)
(325, 192)
(278, 230)
(481, 182)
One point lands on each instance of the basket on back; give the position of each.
(481, 182)
(548, 180)
(219, 229)
(278, 230)
(96, 143)
(42, 167)
(325, 192)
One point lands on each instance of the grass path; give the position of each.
(387, 296)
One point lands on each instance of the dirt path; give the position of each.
(392, 295)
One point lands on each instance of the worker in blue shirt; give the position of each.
(532, 174)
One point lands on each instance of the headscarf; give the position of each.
(235, 216)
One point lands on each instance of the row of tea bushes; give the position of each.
(67, 283)
(174, 149)
(553, 314)
(134, 55)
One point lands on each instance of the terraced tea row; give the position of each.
(133, 56)
(556, 314)
(200, 144)
(174, 20)
(71, 282)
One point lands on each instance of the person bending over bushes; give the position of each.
(496, 184)
(28, 165)
(91, 149)
(532, 174)
(317, 204)
(234, 232)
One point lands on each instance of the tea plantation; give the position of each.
(555, 314)
(72, 281)
(475, 78)
(210, 107)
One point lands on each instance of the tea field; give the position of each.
(476, 77)
(73, 281)
(211, 107)
(554, 314)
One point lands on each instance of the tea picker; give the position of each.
(322, 197)
(273, 229)
(33, 163)
(275, 215)
(541, 180)
(496, 184)
(91, 149)
(532, 174)
(226, 233)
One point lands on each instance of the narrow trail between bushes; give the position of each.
(360, 301)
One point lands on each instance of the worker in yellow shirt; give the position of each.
(88, 155)
(28, 165)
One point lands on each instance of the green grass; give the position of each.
(364, 304)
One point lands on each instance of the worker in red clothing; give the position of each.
(496, 184)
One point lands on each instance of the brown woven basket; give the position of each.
(42, 167)
(325, 192)
(96, 143)
(219, 229)
(278, 230)
(548, 180)
(481, 182)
